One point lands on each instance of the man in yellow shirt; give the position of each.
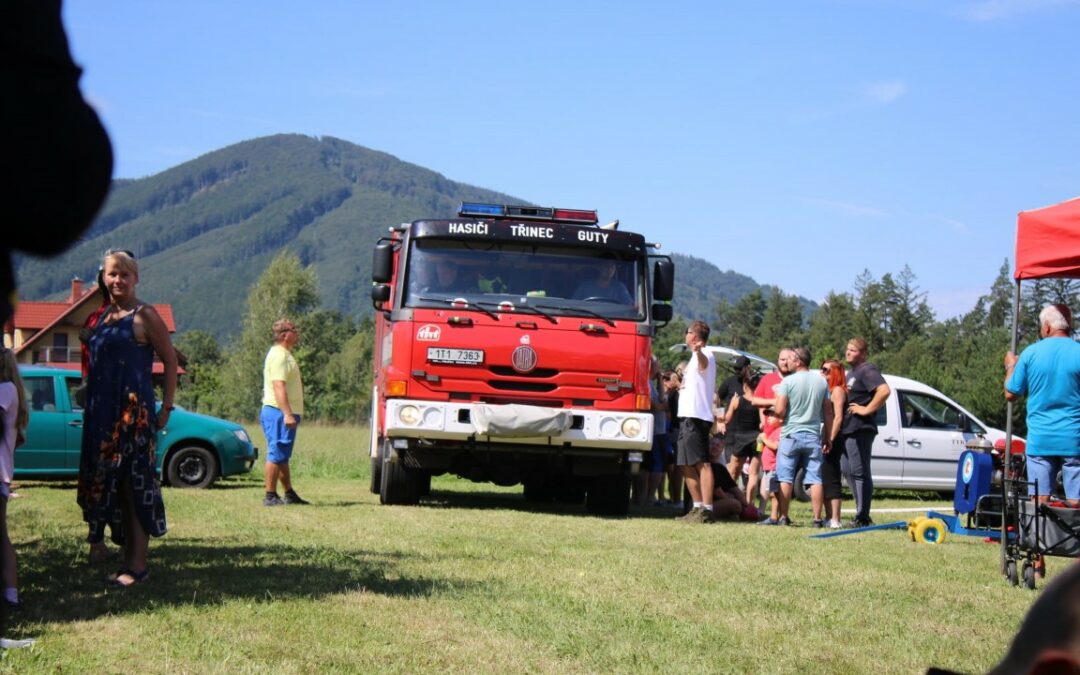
(283, 405)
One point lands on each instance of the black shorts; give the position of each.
(742, 444)
(693, 442)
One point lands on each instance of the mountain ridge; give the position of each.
(205, 229)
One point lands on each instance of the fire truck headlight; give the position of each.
(631, 427)
(409, 414)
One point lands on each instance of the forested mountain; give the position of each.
(205, 230)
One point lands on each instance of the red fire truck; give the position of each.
(512, 345)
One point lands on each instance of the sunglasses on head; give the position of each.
(114, 251)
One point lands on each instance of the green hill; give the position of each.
(203, 231)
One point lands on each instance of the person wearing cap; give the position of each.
(283, 406)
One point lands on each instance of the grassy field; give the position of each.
(476, 580)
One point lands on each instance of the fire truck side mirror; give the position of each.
(382, 264)
(380, 293)
(662, 312)
(663, 279)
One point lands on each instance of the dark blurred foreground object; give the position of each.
(56, 160)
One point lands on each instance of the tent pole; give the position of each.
(1009, 430)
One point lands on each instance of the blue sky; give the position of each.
(797, 142)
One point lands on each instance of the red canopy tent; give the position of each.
(1048, 242)
(1047, 245)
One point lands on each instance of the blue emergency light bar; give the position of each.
(576, 216)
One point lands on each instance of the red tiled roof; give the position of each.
(64, 309)
(35, 315)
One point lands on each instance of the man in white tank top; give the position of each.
(696, 411)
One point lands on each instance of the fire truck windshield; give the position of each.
(511, 276)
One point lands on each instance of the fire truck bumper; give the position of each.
(584, 428)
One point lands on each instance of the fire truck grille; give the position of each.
(538, 387)
(539, 373)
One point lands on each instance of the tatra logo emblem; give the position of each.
(429, 333)
(525, 339)
(523, 359)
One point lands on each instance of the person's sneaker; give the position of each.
(768, 521)
(5, 643)
(860, 522)
(708, 516)
(292, 498)
(784, 520)
(690, 515)
(697, 515)
(271, 499)
(818, 524)
(835, 525)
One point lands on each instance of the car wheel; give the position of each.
(192, 466)
(798, 489)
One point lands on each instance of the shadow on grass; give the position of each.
(58, 585)
(451, 499)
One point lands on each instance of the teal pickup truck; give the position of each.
(192, 451)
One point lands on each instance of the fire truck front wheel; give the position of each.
(608, 495)
(376, 475)
(398, 484)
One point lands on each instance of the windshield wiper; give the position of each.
(580, 310)
(537, 310)
(498, 307)
(469, 304)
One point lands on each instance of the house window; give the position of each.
(59, 348)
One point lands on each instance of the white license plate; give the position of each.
(465, 357)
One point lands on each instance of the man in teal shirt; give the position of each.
(802, 401)
(1048, 373)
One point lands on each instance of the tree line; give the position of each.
(960, 356)
(334, 353)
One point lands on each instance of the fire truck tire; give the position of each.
(423, 487)
(397, 484)
(608, 495)
(376, 475)
(570, 492)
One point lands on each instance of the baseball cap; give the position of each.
(741, 362)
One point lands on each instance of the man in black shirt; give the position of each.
(867, 392)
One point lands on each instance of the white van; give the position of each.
(921, 431)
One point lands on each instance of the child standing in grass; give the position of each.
(770, 486)
(14, 417)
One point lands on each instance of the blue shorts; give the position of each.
(802, 449)
(279, 438)
(1043, 470)
(658, 458)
